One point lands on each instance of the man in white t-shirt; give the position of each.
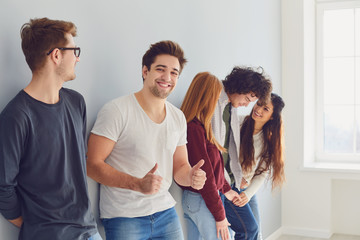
(136, 147)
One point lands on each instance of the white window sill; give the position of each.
(331, 167)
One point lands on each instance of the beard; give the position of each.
(65, 75)
(155, 91)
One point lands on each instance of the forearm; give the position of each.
(213, 202)
(105, 174)
(182, 175)
(255, 184)
(99, 148)
(9, 202)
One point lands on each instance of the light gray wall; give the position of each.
(113, 36)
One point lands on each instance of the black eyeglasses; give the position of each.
(76, 50)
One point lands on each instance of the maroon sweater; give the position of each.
(200, 148)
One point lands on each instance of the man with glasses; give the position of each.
(43, 184)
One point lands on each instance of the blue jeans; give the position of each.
(199, 220)
(95, 237)
(242, 220)
(161, 225)
(253, 203)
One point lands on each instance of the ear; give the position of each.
(56, 56)
(145, 71)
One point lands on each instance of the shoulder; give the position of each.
(195, 125)
(195, 128)
(71, 96)
(17, 106)
(175, 112)
(17, 112)
(71, 93)
(120, 103)
(173, 109)
(117, 107)
(241, 118)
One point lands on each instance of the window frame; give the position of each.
(321, 156)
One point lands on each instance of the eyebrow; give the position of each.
(164, 66)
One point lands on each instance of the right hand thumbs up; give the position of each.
(151, 183)
(153, 170)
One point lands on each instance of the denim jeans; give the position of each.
(163, 225)
(95, 237)
(253, 203)
(199, 220)
(242, 220)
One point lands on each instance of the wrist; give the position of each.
(135, 184)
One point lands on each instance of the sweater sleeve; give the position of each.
(226, 187)
(197, 150)
(255, 184)
(12, 139)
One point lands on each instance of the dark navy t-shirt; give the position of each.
(43, 167)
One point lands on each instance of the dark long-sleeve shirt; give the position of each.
(43, 167)
(200, 148)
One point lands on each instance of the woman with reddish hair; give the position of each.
(204, 211)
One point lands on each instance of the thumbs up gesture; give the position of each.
(198, 176)
(150, 183)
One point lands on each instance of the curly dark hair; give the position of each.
(243, 80)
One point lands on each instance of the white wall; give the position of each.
(318, 199)
(113, 36)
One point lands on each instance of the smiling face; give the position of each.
(241, 100)
(162, 76)
(262, 114)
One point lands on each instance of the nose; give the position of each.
(166, 76)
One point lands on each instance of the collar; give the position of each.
(223, 99)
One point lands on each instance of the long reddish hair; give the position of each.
(272, 151)
(200, 101)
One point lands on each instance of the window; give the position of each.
(338, 85)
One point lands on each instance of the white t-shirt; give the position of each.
(140, 143)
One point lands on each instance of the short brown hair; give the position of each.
(38, 36)
(164, 47)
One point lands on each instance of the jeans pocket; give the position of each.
(192, 201)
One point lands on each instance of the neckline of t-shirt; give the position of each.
(147, 117)
(257, 135)
(54, 105)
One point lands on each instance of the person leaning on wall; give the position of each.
(43, 184)
(136, 147)
(204, 211)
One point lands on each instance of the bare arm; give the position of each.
(184, 175)
(99, 148)
(17, 221)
